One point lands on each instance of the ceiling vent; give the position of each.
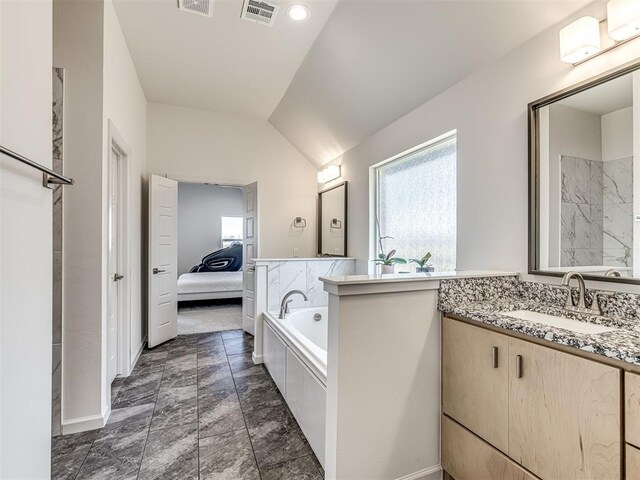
(259, 11)
(199, 7)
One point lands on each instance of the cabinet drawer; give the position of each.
(465, 456)
(632, 455)
(632, 408)
(475, 380)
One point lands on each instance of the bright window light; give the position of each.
(231, 231)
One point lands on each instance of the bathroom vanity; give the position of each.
(523, 399)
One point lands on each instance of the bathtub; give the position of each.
(295, 354)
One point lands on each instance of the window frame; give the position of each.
(374, 185)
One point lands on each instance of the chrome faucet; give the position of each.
(284, 306)
(581, 307)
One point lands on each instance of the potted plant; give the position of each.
(422, 263)
(387, 261)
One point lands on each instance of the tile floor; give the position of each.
(194, 408)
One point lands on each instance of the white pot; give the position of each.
(386, 269)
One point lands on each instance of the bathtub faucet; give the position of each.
(284, 306)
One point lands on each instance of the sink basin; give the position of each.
(558, 322)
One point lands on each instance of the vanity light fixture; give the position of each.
(580, 40)
(298, 12)
(624, 19)
(328, 173)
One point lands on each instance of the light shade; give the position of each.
(328, 173)
(623, 17)
(580, 40)
(298, 12)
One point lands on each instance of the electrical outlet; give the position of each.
(295, 253)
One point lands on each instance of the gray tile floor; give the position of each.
(195, 407)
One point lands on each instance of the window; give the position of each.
(231, 231)
(415, 205)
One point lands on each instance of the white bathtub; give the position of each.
(295, 354)
(306, 336)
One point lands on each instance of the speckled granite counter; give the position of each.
(481, 299)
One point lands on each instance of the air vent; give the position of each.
(199, 7)
(259, 11)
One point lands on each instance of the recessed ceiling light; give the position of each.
(298, 12)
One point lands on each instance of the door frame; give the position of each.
(117, 142)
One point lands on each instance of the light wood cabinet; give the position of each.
(633, 463)
(632, 408)
(557, 415)
(564, 414)
(479, 460)
(475, 380)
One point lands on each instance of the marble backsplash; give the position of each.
(464, 291)
(284, 276)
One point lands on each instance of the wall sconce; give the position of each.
(328, 173)
(580, 40)
(624, 19)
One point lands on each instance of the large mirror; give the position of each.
(585, 179)
(332, 221)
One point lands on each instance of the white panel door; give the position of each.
(115, 276)
(163, 260)
(250, 251)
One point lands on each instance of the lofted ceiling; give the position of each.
(220, 63)
(328, 83)
(377, 60)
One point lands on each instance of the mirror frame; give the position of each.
(346, 223)
(534, 168)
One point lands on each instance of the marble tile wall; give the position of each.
(617, 205)
(303, 275)
(57, 123)
(581, 212)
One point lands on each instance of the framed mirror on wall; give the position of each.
(584, 179)
(332, 221)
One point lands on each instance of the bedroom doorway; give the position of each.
(118, 283)
(210, 257)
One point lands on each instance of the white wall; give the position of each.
(200, 208)
(25, 241)
(125, 106)
(489, 111)
(617, 134)
(100, 86)
(201, 145)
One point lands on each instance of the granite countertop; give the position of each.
(622, 344)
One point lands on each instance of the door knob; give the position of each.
(117, 277)
(157, 271)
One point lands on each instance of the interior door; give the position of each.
(163, 260)
(115, 276)
(250, 246)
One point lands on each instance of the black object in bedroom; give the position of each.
(224, 260)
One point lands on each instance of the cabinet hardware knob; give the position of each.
(494, 357)
(518, 366)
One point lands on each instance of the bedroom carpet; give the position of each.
(209, 317)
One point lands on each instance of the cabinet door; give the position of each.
(632, 406)
(474, 386)
(564, 414)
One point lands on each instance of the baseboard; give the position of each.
(431, 473)
(257, 359)
(84, 424)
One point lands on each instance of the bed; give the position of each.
(209, 285)
(219, 275)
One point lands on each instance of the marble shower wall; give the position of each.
(57, 118)
(286, 275)
(581, 212)
(617, 204)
